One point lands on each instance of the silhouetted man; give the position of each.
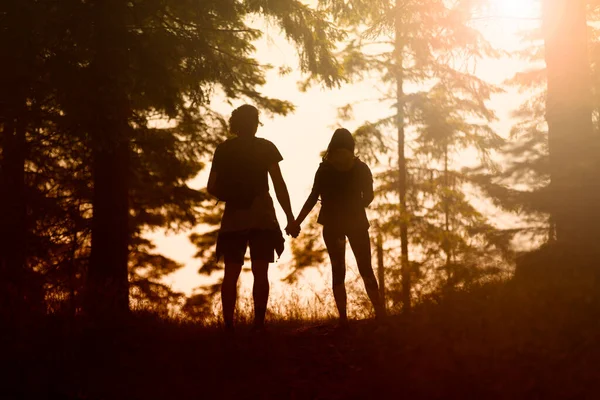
(239, 177)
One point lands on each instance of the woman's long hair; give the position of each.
(341, 139)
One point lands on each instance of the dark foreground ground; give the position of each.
(499, 341)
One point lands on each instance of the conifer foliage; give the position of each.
(524, 185)
(424, 53)
(104, 118)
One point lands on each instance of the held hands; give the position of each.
(293, 228)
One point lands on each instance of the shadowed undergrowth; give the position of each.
(504, 340)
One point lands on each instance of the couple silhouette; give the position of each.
(239, 177)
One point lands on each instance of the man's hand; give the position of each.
(293, 229)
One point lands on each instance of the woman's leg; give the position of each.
(336, 247)
(361, 247)
(229, 291)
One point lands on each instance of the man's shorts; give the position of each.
(263, 245)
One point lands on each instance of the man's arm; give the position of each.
(211, 187)
(281, 192)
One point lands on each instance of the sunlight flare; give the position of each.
(516, 8)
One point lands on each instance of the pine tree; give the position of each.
(428, 44)
(524, 185)
(573, 144)
(127, 86)
(186, 33)
(25, 101)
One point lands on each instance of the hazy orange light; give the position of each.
(517, 8)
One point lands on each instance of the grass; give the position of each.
(515, 339)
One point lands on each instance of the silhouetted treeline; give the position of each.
(105, 117)
(440, 211)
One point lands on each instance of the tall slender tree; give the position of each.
(23, 102)
(525, 183)
(428, 45)
(573, 145)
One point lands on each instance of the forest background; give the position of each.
(111, 112)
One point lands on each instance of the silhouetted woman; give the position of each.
(345, 185)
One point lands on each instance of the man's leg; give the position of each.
(361, 247)
(260, 291)
(262, 249)
(336, 247)
(229, 291)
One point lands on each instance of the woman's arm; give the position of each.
(309, 204)
(312, 199)
(367, 188)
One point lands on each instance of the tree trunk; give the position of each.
(402, 173)
(574, 149)
(447, 244)
(381, 269)
(73, 269)
(107, 288)
(13, 229)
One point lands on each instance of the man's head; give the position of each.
(244, 120)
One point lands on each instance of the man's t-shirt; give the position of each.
(248, 159)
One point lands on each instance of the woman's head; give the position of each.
(244, 120)
(341, 139)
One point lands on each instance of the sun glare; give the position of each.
(516, 8)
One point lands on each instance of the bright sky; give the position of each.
(301, 136)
